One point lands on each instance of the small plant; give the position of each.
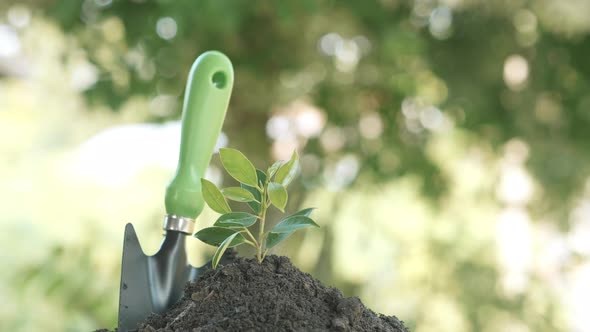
(259, 190)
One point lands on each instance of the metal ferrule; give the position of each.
(173, 222)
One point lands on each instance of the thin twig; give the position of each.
(183, 313)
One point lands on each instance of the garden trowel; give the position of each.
(152, 284)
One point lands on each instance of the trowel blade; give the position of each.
(153, 284)
(134, 295)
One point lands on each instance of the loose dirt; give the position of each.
(272, 296)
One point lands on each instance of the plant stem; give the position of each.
(263, 207)
(261, 230)
(255, 244)
(250, 243)
(262, 237)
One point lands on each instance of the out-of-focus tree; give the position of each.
(366, 89)
(386, 73)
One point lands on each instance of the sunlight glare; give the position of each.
(514, 243)
(9, 42)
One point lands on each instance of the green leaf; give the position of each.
(238, 194)
(293, 223)
(305, 212)
(214, 198)
(222, 248)
(278, 195)
(236, 219)
(272, 239)
(215, 235)
(238, 166)
(287, 172)
(274, 168)
(255, 205)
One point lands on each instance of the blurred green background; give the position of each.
(445, 143)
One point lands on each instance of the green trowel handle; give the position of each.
(206, 98)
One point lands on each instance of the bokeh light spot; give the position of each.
(516, 72)
(440, 22)
(166, 28)
(329, 42)
(19, 16)
(371, 125)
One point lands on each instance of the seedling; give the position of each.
(259, 190)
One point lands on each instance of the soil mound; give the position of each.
(272, 296)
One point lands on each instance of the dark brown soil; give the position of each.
(272, 296)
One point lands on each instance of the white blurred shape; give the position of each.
(341, 174)
(83, 76)
(516, 185)
(332, 139)
(516, 151)
(371, 125)
(413, 126)
(163, 105)
(579, 236)
(222, 141)
(516, 72)
(363, 43)
(309, 120)
(146, 70)
(329, 42)
(9, 41)
(431, 118)
(166, 28)
(297, 119)
(410, 108)
(278, 127)
(19, 16)
(215, 175)
(113, 156)
(347, 55)
(418, 115)
(525, 21)
(103, 3)
(282, 149)
(514, 245)
(579, 293)
(440, 22)
(346, 52)
(553, 252)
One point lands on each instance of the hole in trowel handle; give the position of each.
(218, 79)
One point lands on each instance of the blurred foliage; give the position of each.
(274, 47)
(426, 101)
